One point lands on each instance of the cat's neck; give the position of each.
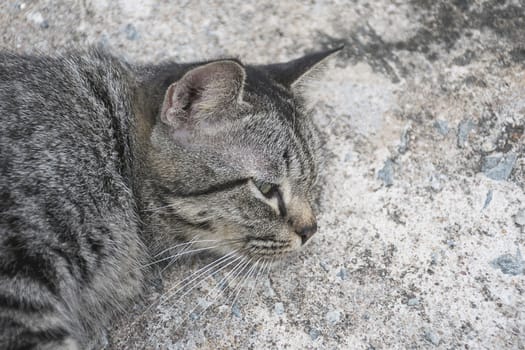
(151, 83)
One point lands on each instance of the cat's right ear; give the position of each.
(202, 93)
(294, 73)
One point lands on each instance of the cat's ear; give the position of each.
(294, 73)
(203, 92)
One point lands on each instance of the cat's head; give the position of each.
(236, 156)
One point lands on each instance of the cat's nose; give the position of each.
(301, 218)
(306, 232)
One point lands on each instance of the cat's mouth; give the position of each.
(250, 245)
(265, 248)
(257, 248)
(269, 248)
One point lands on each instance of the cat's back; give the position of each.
(65, 124)
(58, 110)
(67, 212)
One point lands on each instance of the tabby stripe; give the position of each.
(70, 249)
(305, 145)
(281, 205)
(298, 151)
(225, 186)
(122, 141)
(20, 271)
(307, 152)
(27, 339)
(286, 156)
(205, 225)
(173, 214)
(300, 139)
(23, 261)
(312, 151)
(305, 148)
(266, 239)
(48, 335)
(76, 264)
(12, 302)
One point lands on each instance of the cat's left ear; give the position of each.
(204, 94)
(294, 73)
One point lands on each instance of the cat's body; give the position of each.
(69, 245)
(103, 163)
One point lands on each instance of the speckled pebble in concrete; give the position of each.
(333, 317)
(413, 302)
(343, 273)
(519, 218)
(464, 128)
(324, 266)
(314, 334)
(386, 174)
(432, 337)
(488, 199)
(279, 308)
(498, 166)
(236, 311)
(442, 127)
(510, 264)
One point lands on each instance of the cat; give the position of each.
(105, 164)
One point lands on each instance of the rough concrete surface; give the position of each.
(421, 209)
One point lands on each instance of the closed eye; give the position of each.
(270, 190)
(267, 189)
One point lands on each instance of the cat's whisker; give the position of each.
(216, 288)
(183, 245)
(164, 296)
(196, 241)
(184, 252)
(177, 257)
(248, 275)
(259, 269)
(212, 274)
(241, 264)
(270, 265)
(224, 281)
(200, 272)
(236, 259)
(266, 270)
(224, 242)
(237, 279)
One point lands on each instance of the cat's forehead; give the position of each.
(265, 145)
(261, 138)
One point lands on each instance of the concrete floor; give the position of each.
(422, 211)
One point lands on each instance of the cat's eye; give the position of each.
(271, 190)
(266, 188)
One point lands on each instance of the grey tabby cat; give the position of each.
(105, 164)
